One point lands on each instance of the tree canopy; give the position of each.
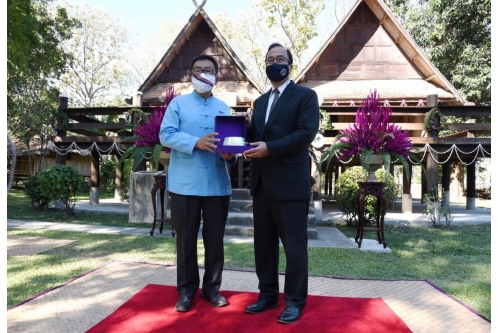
(34, 59)
(456, 36)
(34, 33)
(97, 68)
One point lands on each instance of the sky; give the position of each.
(148, 15)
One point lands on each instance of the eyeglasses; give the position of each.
(198, 71)
(280, 60)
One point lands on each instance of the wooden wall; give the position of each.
(203, 40)
(362, 50)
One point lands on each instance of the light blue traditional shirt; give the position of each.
(193, 171)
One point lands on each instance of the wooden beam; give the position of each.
(103, 126)
(469, 127)
(86, 132)
(404, 126)
(382, 21)
(456, 141)
(444, 141)
(88, 139)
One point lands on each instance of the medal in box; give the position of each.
(232, 134)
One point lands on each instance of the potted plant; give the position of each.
(372, 135)
(147, 141)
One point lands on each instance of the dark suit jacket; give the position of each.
(290, 129)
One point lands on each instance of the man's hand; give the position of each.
(206, 142)
(259, 151)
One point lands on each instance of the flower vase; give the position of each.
(375, 164)
(164, 160)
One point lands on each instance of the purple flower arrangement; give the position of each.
(147, 135)
(372, 133)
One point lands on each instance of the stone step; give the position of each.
(246, 219)
(236, 205)
(241, 194)
(241, 206)
(246, 230)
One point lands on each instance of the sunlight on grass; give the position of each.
(457, 260)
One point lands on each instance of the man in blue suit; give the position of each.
(284, 123)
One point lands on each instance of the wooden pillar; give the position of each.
(316, 174)
(445, 181)
(118, 180)
(471, 186)
(432, 173)
(423, 187)
(62, 104)
(337, 174)
(137, 101)
(406, 199)
(94, 178)
(432, 158)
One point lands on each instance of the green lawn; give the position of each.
(457, 260)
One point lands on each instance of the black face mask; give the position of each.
(276, 73)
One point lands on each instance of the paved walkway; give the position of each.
(331, 213)
(327, 236)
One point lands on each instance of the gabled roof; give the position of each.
(371, 50)
(198, 36)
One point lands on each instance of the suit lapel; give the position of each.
(287, 94)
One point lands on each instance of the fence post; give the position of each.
(62, 104)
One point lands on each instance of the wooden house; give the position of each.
(200, 36)
(22, 168)
(370, 50)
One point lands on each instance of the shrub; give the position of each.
(437, 209)
(60, 182)
(347, 190)
(33, 191)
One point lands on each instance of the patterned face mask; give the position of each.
(203, 83)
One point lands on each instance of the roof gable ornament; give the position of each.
(200, 6)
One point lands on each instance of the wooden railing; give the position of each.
(416, 116)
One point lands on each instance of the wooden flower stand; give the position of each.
(376, 189)
(160, 184)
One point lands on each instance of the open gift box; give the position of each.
(231, 126)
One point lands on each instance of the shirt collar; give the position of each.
(282, 87)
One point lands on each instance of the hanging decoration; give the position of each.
(434, 122)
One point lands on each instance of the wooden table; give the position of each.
(160, 184)
(376, 189)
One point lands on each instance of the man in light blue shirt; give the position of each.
(199, 183)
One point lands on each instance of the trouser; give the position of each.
(286, 220)
(187, 211)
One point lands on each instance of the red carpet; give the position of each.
(152, 310)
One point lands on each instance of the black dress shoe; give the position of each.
(289, 315)
(183, 304)
(261, 306)
(217, 300)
